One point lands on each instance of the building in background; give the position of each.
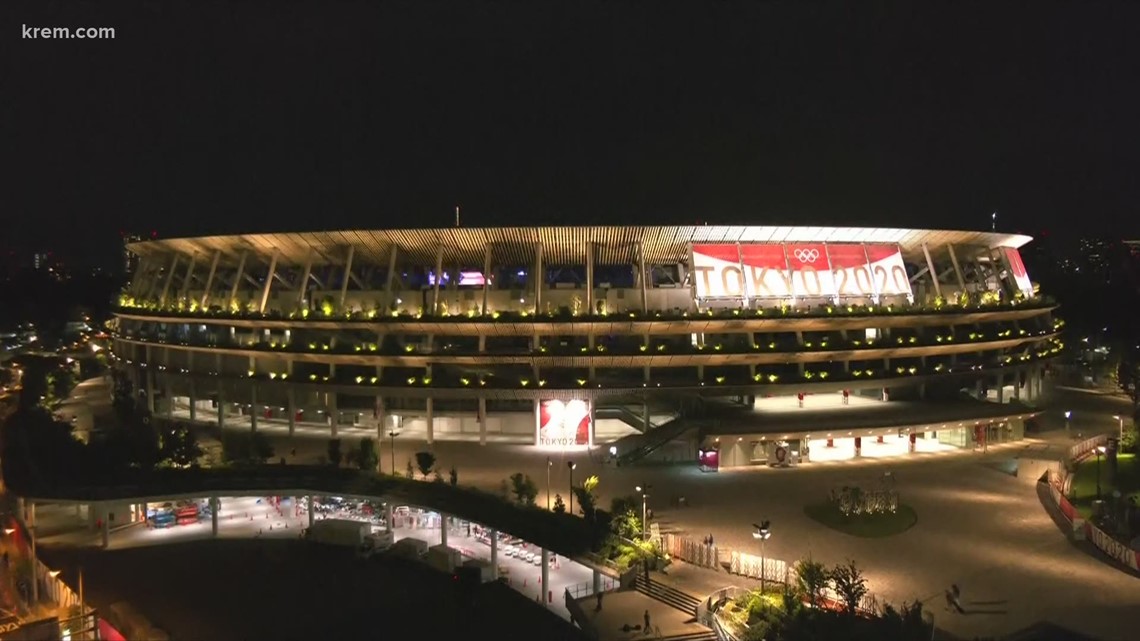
(772, 345)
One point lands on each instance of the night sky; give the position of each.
(204, 117)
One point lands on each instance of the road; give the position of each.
(978, 527)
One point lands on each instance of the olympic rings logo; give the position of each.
(806, 255)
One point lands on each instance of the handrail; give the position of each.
(656, 439)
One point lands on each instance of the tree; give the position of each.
(425, 461)
(366, 456)
(334, 452)
(812, 578)
(559, 504)
(236, 447)
(849, 582)
(180, 447)
(260, 447)
(524, 488)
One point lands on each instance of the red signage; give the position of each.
(564, 422)
(765, 271)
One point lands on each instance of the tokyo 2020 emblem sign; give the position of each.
(564, 422)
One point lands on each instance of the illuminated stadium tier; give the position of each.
(545, 333)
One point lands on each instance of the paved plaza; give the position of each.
(978, 526)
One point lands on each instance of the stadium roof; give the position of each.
(561, 245)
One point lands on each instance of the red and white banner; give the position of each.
(564, 422)
(851, 270)
(1020, 275)
(800, 270)
(888, 270)
(766, 271)
(811, 275)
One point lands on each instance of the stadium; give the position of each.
(734, 345)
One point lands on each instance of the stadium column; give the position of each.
(494, 555)
(185, 289)
(168, 392)
(537, 423)
(169, 279)
(237, 278)
(438, 273)
(221, 408)
(645, 347)
(381, 418)
(430, 422)
(1001, 388)
(215, 504)
(1017, 384)
(589, 279)
(291, 407)
(105, 529)
(312, 510)
(334, 413)
(443, 529)
(539, 279)
(347, 277)
(597, 581)
(957, 267)
(933, 272)
(269, 276)
(253, 407)
(389, 516)
(303, 286)
(486, 278)
(482, 420)
(546, 591)
(642, 277)
(590, 434)
(390, 278)
(205, 300)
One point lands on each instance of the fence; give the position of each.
(766, 570)
(690, 551)
(586, 588)
(1085, 447)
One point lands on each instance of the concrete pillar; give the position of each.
(858, 446)
(150, 387)
(291, 407)
(312, 510)
(597, 581)
(482, 420)
(546, 596)
(443, 529)
(334, 413)
(1001, 388)
(389, 515)
(193, 402)
(254, 409)
(537, 423)
(221, 410)
(105, 532)
(591, 432)
(430, 421)
(1017, 385)
(215, 505)
(494, 555)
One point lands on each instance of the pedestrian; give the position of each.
(599, 608)
(711, 541)
(647, 621)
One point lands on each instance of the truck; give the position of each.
(339, 532)
(410, 548)
(444, 558)
(375, 543)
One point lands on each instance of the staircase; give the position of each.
(656, 439)
(668, 595)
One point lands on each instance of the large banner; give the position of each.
(1013, 257)
(801, 270)
(563, 422)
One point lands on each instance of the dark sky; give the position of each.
(206, 117)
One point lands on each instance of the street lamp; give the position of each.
(1068, 415)
(762, 532)
(571, 465)
(392, 434)
(644, 510)
(1121, 419)
(549, 464)
(1099, 451)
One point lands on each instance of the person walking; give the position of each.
(647, 628)
(599, 608)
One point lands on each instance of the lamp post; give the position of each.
(1099, 451)
(392, 434)
(549, 464)
(1068, 416)
(762, 532)
(571, 465)
(1121, 419)
(644, 510)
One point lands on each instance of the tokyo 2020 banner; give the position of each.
(1020, 275)
(800, 270)
(563, 422)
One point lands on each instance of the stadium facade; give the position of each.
(827, 336)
